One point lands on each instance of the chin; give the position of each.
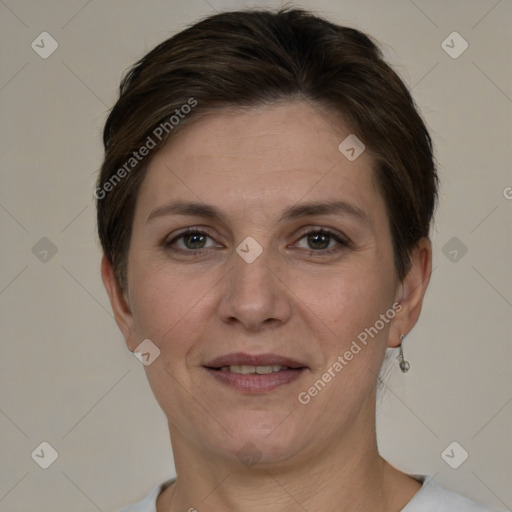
(261, 440)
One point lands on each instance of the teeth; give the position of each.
(246, 369)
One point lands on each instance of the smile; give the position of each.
(254, 373)
(247, 369)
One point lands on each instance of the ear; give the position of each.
(411, 292)
(119, 302)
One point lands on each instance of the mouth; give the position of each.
(255, 374)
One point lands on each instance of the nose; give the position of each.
(255, 295)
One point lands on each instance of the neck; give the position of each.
(348, 474)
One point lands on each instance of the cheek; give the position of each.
(168, 303)
(352, 335)
(346, 300)
(168, 309)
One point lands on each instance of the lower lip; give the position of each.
(255, 383)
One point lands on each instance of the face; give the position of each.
(265, 283)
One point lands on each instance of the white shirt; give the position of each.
(430, 498)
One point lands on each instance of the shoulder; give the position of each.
(430, 498)
(148, 504)
(434, 498)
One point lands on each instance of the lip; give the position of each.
(240, 358)
(253, 382)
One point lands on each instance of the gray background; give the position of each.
(66, 376)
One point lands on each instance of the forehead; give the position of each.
(266, 157)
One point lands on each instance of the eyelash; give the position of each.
(195, 231)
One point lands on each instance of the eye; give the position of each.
(318, 241)
(193, 241)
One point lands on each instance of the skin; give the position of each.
(292, 301)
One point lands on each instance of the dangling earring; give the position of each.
(404, 365)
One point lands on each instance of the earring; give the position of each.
(404, 365)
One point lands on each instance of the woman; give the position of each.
(264, 209)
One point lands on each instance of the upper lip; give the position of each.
(239, 358)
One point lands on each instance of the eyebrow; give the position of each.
(195, 209)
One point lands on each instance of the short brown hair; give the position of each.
(257, 57)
